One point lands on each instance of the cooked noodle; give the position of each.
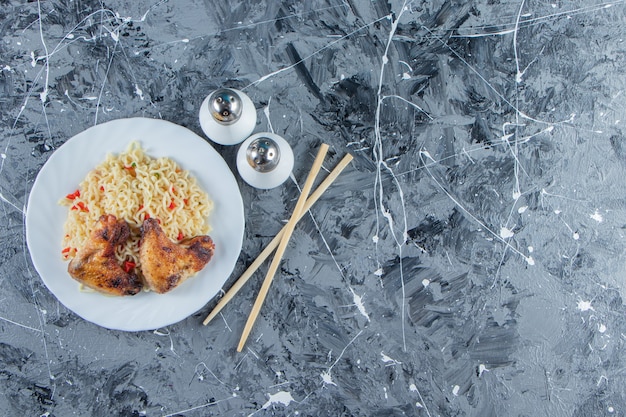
(133, 186)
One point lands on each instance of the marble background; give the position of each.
(470, 262)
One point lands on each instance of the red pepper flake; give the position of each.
(101, 188)
(172, 206)
(128, 266)
(66, 252)
(180, 235)
(186, 201)
(173, 190)
(73, 195)
(139, 208)
(131, 169)
(80, 206)
(146, 216)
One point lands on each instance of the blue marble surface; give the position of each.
(471, 261)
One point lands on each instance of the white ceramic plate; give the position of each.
(69, 165)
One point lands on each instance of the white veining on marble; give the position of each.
(326, 375)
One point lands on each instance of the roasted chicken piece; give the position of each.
(95, 264)
(166, 264)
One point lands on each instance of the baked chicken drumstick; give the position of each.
(95, 265)
(166, 264)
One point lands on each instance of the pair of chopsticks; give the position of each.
(280, 241)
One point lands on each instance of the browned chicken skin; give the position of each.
(166, 264)
(95, 264)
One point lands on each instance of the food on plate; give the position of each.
(134, 187)
(95, 264)
(166, 264)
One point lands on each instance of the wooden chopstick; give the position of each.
(245, 277)
(291, 224)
